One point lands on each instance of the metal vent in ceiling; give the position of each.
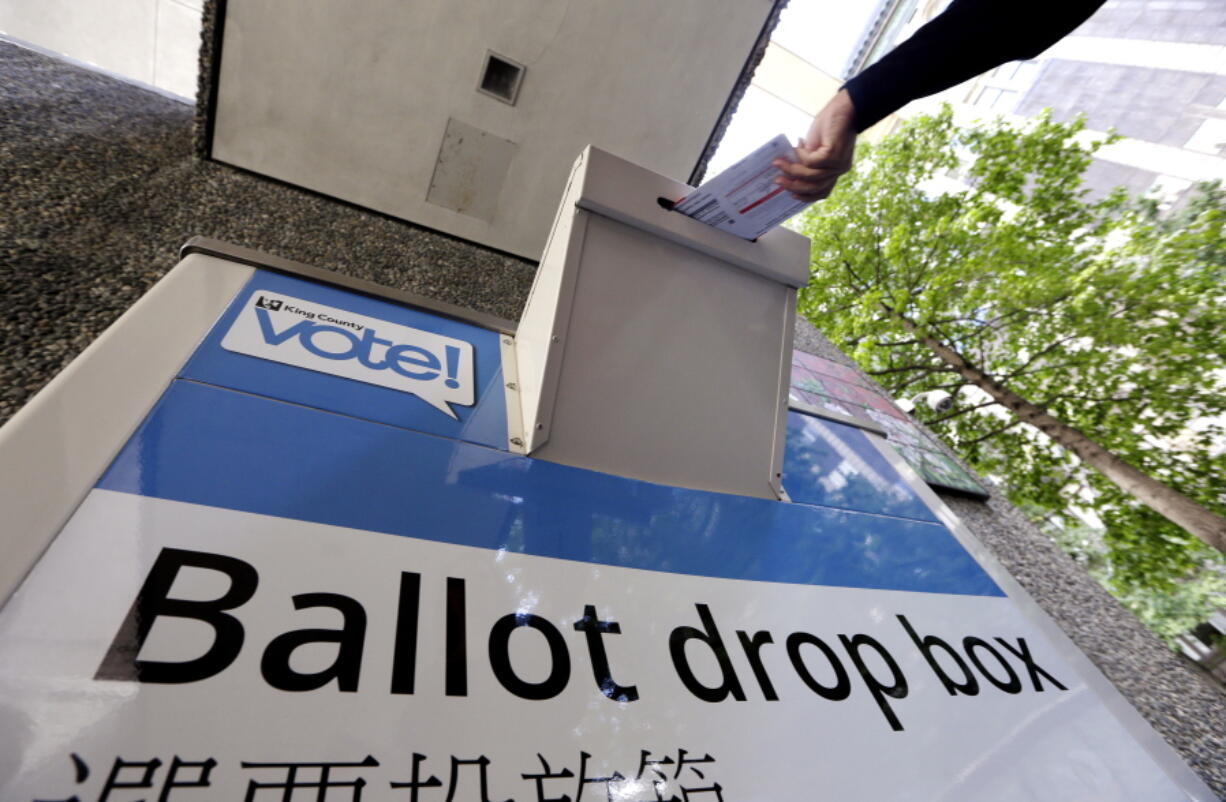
(501, 78)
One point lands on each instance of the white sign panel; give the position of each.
(170, 651)
(433, 367)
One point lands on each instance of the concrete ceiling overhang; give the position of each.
(379, 103)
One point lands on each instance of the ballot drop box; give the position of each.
(280, 534)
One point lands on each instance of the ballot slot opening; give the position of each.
(669, 205)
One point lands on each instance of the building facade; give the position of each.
(1153, 72)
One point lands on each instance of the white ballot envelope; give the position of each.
(744, 199)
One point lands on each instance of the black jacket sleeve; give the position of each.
(968, 38)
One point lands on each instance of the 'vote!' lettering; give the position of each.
(435, 368)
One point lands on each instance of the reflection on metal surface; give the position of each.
(827, 386)
(834, 465)
(209, 446)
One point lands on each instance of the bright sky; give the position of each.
(822, 32)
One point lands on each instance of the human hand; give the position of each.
(824, 154)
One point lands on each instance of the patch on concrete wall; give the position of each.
(471, 167)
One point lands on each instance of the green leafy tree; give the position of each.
(1083, 339)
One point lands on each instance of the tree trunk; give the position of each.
(1167, 502)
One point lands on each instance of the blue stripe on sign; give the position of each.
(207, 445)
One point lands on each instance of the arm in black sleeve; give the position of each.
(968, 38)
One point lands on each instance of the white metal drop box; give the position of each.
(653, 346)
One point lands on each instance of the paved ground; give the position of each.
(100, 188)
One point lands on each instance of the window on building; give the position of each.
(1003, 88)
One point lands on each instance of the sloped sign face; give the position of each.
(266, 601)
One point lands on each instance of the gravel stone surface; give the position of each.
(100, 187)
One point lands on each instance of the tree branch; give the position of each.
(961, 411)
(994, 323)
(1040, 354)
(990, 434)
(1103, 399)
(901, 368)
(898, 388)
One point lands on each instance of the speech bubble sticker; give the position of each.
(281, 328)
